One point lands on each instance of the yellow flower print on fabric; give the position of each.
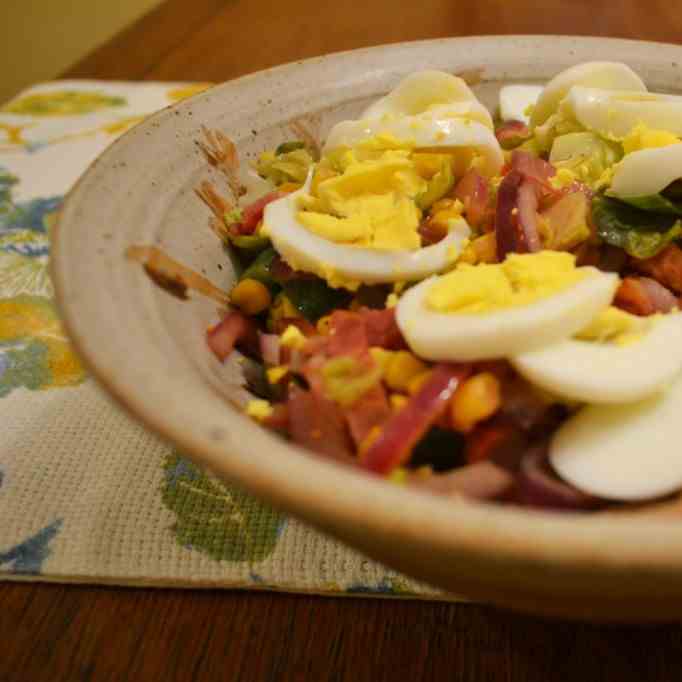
(34, 350)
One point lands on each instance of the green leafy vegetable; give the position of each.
(654, 203)
(281, 167)
(586, 154)
(313, 298)
(641, 234)
(252, 243)
(260, 269)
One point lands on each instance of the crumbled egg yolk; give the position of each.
(615, 326)
(259, 409)
(564, 178)
(277, 373)
(520, 280)
(292, 337)
(643, 137)
(371, 204)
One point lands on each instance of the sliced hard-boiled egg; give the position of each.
(644, 356)
(347, 265)
(495, 311)
(607, 75)
(647, 171)
(516, 100)
(426, 91)
(623, 452)
(424, 134)
(614, 113)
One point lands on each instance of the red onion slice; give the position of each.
(538, 486)
(405, 428)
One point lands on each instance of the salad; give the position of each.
(476, 305)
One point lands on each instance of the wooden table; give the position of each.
(81, 633)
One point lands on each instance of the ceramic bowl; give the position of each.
(148, 348)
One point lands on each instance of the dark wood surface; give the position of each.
(51, 632)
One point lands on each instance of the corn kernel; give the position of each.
(259, 409)
(402, 368)
(418, 381)
(369, 440)
(323, 325)
(398, 476)
(277, 373)
(482, 249)
(442, 204)
(250, 296)
(442, 217)
(381, 357)
(397, 401)
(478, 398)
(392, 300)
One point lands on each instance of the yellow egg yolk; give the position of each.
(643, 137)
(615, 326)
(520, 280)
(370, 204)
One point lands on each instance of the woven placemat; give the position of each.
(87, 494)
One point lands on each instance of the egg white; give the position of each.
(594, 372)
(607, 75)
(343, 264)
(515, 100)
(425, 133)
(623, 452)
(616, 113)
(424, 91)
(647, 171)
(502, 333)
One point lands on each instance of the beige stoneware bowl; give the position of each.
(148, 350)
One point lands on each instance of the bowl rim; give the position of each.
(478, 532)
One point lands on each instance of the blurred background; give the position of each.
(41, 38)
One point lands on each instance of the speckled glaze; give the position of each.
(148, 350)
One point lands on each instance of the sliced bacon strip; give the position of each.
(405, 428)
(317, 424)
(279, 419)
(371, 410)
(665, 267)
(497, 441)
(269, 348)
(644, 296)
(382, 329)
(484, 480)
(347, 334)
(511, 133)
(473, 191)
(235, 329)
(533, 168)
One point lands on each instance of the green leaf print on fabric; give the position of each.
(215, 519)
(23, 365)
(62, 103)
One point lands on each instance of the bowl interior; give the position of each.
(149, 350)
